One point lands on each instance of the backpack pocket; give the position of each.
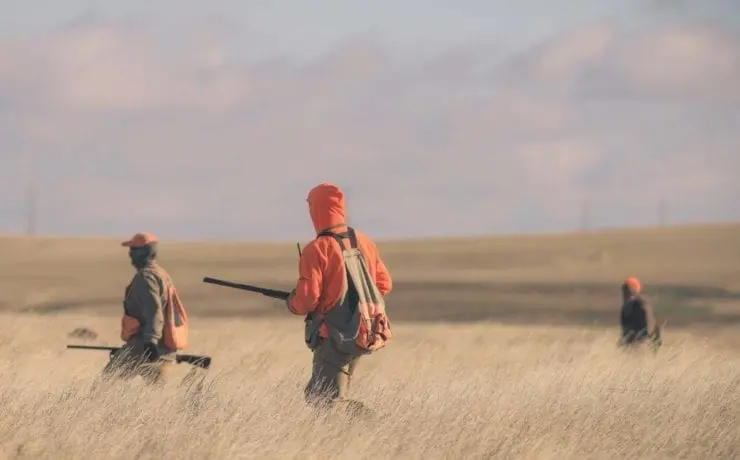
(375, 333)
(345, 329)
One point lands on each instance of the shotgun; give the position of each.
(273, 293)
(203, 362)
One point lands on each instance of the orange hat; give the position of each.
(140, 240)
(633, 283)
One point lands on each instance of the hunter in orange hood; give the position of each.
(322, 288)
(321, 277)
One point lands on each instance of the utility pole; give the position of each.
(31, 197)
(31, 209)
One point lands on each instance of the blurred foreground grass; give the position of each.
(445, 391)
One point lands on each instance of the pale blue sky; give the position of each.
(307, 28)
(438, 117)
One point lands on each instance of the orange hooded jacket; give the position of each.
(321, 270)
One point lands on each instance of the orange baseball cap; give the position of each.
(633, 283)
(140, 240)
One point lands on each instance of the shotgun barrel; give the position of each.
(274, 293)
(195, 360)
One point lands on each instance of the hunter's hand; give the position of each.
(288, 300)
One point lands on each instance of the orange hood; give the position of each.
(326, 206)
(633, 284)
(631, 288)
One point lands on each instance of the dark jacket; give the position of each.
(636, 317)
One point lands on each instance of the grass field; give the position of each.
(691, 274)
(505, 348)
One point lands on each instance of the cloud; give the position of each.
(105, 67)
(560, 59)
(130, 128)
(698, 62)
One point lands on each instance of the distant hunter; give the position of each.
(637, 317)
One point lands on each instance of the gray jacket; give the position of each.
(145, 300)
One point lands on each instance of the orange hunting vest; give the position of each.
(175, 331)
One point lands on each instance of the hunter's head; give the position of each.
(326, 206)
(631, 287)
(142, 249)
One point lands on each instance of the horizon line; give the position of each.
(456, 237)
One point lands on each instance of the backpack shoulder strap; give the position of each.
(349, 234)
(352, 237)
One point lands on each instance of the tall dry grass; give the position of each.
(445, 391)
(476, 391)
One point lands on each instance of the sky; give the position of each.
(212, 120)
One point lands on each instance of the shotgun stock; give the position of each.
(203, 362)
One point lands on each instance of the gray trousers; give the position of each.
(331, 375)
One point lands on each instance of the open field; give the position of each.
(691, 274)
(491, 359)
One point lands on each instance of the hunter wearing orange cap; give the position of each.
(154, 322)
(340, 289)
(637, 317)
